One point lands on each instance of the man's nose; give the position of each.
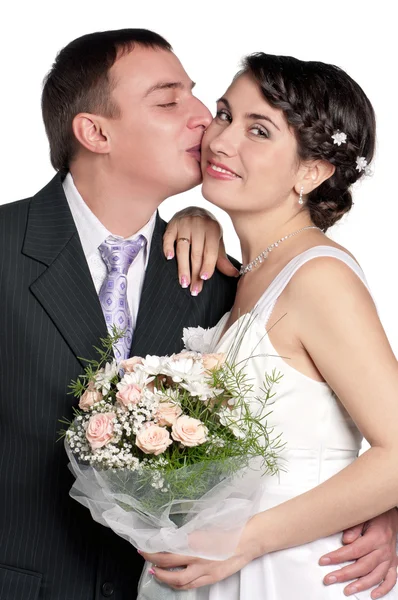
(201, 116)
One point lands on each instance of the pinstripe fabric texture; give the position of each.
(50, 548)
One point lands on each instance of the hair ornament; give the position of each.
(339, 137)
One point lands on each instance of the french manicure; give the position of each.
(151, 571)
(169, 255)
(204, 276)
(184, 281)
(195, 291)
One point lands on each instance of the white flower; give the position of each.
(232, 418)
(184, 369)
(201, 389)
(102, 380)
(137, 377)
(153, 365)
(362, 163)
(198, 339)
(339, 137)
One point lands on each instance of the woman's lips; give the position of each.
(220, 171)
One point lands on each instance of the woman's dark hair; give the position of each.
(318, 100)
(79, 82)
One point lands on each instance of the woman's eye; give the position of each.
(259, 131)
(168, 105)
(223, 115)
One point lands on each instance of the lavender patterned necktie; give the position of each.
(118, 255)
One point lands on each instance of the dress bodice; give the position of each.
(314, 426)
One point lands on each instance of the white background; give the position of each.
(210, 38)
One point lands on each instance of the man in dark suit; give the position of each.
(124, 132)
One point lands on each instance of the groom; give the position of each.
(124, 132)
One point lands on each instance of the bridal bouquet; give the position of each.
(165, 447)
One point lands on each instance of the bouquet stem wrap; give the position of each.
(208, 527)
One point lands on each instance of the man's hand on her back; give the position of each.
(372, 547)
(195, 236)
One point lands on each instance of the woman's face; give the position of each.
(249, 154)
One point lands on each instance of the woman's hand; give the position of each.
(197, 572)
(197, 237)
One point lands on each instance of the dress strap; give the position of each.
(267, 301)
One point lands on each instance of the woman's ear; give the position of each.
(313, 174)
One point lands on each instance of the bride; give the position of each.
(288, 141)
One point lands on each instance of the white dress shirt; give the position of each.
(92, 233)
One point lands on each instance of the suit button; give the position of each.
(107, 589)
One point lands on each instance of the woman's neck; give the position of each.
(258, 231)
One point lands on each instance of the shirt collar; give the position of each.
(90, 229)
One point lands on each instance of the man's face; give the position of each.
(155, 143)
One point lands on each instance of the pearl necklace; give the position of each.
(261, 257)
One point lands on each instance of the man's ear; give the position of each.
(90, 132)
(313, 174)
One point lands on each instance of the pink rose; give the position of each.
(129, 394)
(100, 430)
(90, 397)
(190, 432)
(153, 439)
(167, 413)
(129, 364)
(213, 361)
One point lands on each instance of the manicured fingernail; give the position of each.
(204, 276)
(151, 571)
(139, 551)
(169, 255)
(331, 579)
(325, 561)
(195, 291)
(184, 281)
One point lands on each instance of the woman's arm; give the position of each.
(337, 323)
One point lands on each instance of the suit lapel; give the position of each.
(163, 304)
(65, 289)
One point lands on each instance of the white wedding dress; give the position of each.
(321, 439)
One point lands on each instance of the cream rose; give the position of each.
(129, 394)
(213, 361)
(129, 364)
(190, 432)
(167, 413)
(153, 439)
(90, 397)
(100, 430)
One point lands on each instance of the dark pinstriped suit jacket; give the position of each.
(50, 548)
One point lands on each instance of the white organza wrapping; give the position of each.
(211, 525)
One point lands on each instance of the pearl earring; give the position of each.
(301, 201)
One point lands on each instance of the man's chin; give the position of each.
(189, 183)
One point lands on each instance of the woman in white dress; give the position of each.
(288, 141)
